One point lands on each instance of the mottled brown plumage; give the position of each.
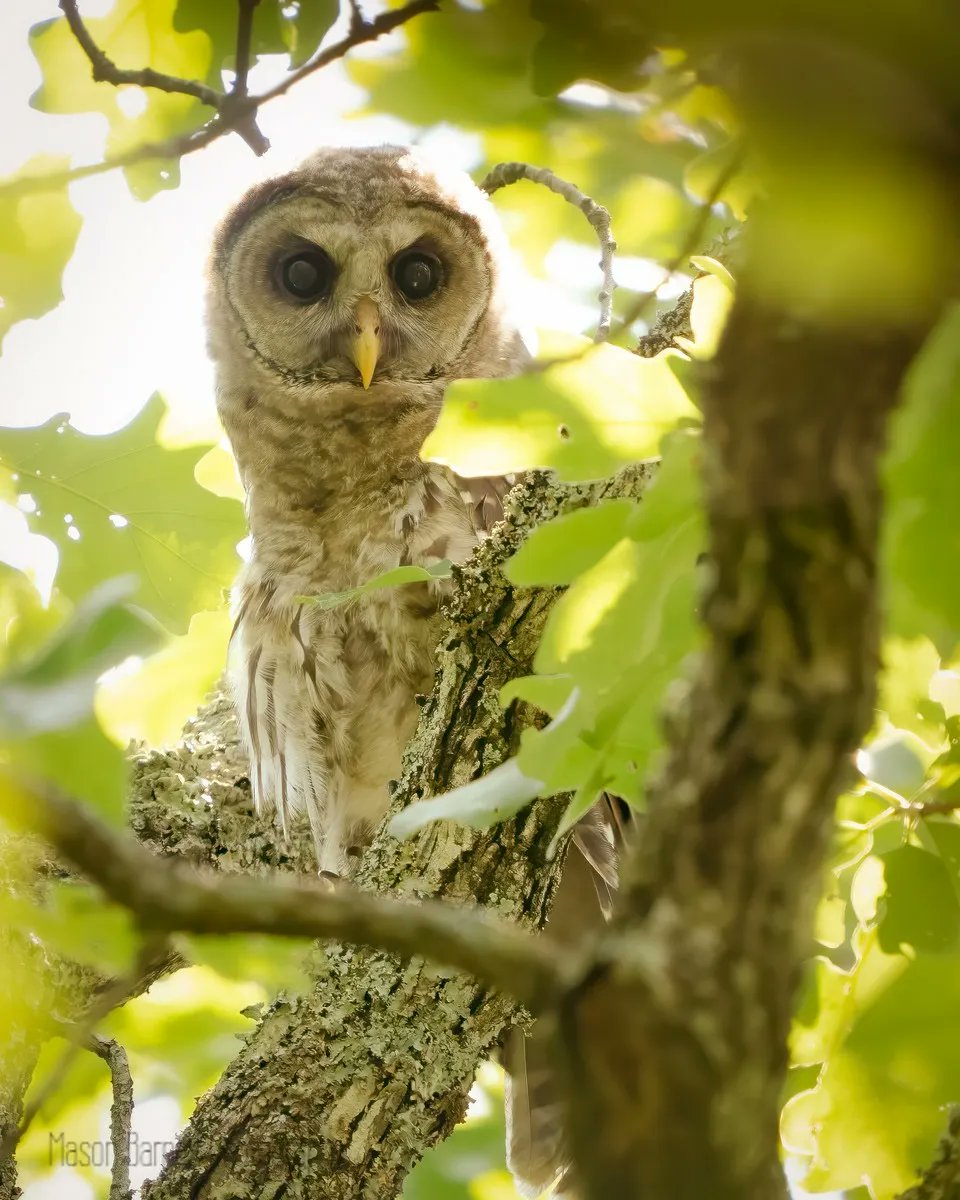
(343, 298)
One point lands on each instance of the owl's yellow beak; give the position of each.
(365, 348)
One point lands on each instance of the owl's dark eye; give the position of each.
(417, 274)
(307, 275)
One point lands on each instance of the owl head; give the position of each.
(361, 267)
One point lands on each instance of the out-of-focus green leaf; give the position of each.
(305, 23)
(273, 962)
(55, 688)
(549, 692)
(905, 696)
(151, 703)
(584, 418)
(920, 908)
(26, 623)
(557, 552)
(620, 632)
(49, 731)
(583, 40)
(884, 1032)
(278, 26)
(467, 67)
(717, 174)
(122, 504)
(921, 532)
(134, 34)
(395, 577)
(38, 232)
(897, 760)
(76, 923)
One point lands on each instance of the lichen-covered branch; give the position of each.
(339, 1092)
(168, 896)
(121, 1112)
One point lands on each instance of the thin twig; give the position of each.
(357, 20)
(245, 9)
(690, 242)
(165, 896)
(105, 70)
(504, 174)
(230, 117)
(78, 1038)
(121, 1111)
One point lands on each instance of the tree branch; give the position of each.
(675, 1045)
(121, 1111)
(167, 896)
(338, 1093)
(234, 113)
(245, 11)
(105, 70)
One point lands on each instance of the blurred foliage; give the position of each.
(635, 102)
(124, 504)
(37, 235)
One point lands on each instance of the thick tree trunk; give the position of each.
(675, 1044)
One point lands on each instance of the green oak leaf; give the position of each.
(921, 535)
(884, 1034)
(919, 906)
(134, 508)
(38, 232)
(279, 26)
(134, 34)
(54, 689)
(305, 23)
(584, 40)
(472, 67)
(620, 633)
(278, 963)
(494, 797)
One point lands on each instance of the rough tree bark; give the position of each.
(338, 1093)
(675, 1043)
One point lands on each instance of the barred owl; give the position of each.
(343, 298)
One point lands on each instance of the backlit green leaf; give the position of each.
(134, 34)
(122, 504)
(38, 232)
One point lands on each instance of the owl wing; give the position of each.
(483, 496)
